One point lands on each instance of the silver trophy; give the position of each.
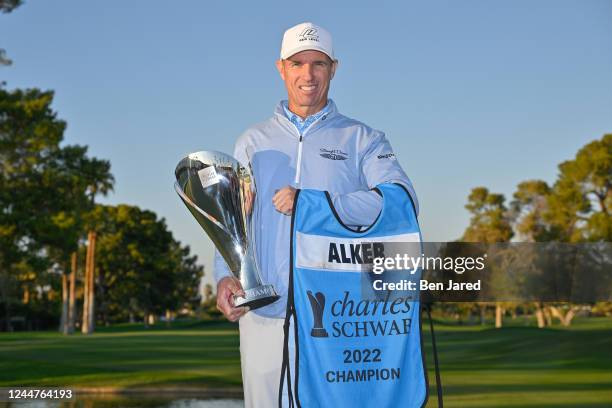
(221, 195)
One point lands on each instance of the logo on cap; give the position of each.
(309, 34)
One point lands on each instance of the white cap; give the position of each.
(306, 36)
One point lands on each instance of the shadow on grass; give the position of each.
(524, 348)
(191, 355)
(177, 325)
(521, 388)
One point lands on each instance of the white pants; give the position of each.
(261, 358)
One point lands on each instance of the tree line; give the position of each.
(574, 209)
(64, 258)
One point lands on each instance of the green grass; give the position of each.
(517, 366)
(124, 356)
(525, 366)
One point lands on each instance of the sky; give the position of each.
(469, 93)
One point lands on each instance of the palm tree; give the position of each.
(99, 180)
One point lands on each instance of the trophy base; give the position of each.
(318, 332)
(257, 297)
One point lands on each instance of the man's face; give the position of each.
(307, 75)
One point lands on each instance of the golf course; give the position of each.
(518, 365)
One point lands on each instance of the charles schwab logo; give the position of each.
(333, 154)
(309, 34)
(360, 317)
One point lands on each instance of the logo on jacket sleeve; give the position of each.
(333, 154)
(386, 156)
(317, 305)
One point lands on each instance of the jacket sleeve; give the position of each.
(379, 165)
(358, 208)
(221, 269)
(243, 149)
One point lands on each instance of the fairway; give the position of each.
(515, 366)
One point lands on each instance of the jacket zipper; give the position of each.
(298, 169)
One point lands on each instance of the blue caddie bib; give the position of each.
(343, 347)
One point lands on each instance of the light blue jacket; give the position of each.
(336, 154)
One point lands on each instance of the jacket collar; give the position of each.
(279, 113)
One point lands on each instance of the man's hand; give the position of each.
(249, 198)
(283, 200)
(226, 289)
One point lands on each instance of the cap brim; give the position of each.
(294, 51)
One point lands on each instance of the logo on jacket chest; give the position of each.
(333, 154)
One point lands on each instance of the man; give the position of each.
(307, 144)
